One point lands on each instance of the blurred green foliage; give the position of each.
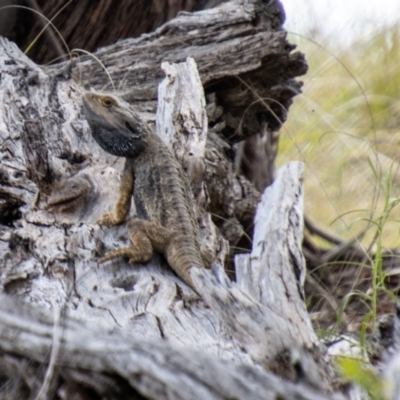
(356, 372)
(348, 114)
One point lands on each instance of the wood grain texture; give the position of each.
(157, 369)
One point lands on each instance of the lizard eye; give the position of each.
(107, 101)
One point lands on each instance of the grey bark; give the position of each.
(142, 324)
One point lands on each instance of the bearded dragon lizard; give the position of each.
(166, 221)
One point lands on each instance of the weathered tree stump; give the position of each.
(114, 331)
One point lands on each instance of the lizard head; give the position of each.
(115, 126)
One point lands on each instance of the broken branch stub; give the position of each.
(182, 124)
(274, 272)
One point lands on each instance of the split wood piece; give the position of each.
(274, 273)
(89, 356)
(276, 262)
(182, 119)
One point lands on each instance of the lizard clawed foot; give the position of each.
(131, 253)
(105, 219)
(109, 219)
(142, 249)
(127, 252)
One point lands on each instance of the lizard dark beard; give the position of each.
(116, 143)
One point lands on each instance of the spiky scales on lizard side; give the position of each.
(166, 221)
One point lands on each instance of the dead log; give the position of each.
(145, 331)
(84, 24)
(157, 369)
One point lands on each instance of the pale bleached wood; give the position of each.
(157, 369)
(273, 274)
(275, 270)
(272, 315)
(181, 116)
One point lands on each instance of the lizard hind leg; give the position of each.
(146, 236)
(141, 251)
(157, 235)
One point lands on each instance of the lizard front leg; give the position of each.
(123, 205)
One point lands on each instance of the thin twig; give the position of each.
(48, 382)
(47, 30)
(314, 230)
